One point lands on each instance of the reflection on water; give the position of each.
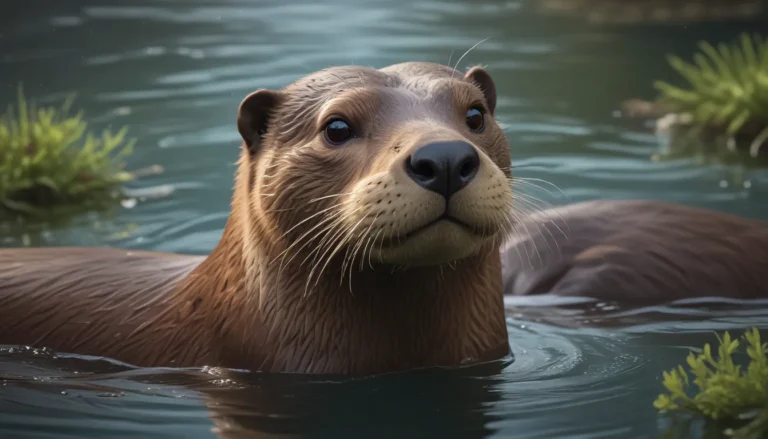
(175, 73)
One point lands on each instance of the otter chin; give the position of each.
(440, 242)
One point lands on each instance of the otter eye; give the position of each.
(337, 132)
(475, 119)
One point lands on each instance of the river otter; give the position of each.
(367, 214)
(369, 210)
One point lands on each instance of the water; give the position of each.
(175, 72)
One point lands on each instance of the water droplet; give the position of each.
(63, 392)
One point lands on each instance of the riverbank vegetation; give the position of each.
(49, 159)
(720, 110)
(726, 93)
(733, 397)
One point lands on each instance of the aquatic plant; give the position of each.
(726, 390)
(726, 91)
(49, 158)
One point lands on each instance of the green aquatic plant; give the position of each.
(49, 159)
(726, 390)
(726, 91)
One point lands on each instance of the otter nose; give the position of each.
(443, 167)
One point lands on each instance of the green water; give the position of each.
(175, 71)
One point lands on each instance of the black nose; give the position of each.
(443, 167)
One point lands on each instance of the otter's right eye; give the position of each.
(337, 132)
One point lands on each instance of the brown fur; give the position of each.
(312, 273)
(637, 251)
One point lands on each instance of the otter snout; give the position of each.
(443, 167)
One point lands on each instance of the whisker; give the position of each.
(528, 200)
(330, 196)
(299, 224)
(533, 181)
(331, 234)
(334, 219)
(538, 227)
(525, 247)
(346, 233)
(337, 229)
(321, 224)
(342, 79)
(347, 236)
(367, 232)
(381, 246)
(466, 53)
(330, 252)
(370, 250)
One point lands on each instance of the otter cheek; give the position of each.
(486, 202)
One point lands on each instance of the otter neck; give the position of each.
(375, 321)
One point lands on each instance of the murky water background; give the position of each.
(175, 71)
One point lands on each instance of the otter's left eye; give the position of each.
(475, 119)
(337, 132)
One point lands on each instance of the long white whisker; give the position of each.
(347, 234)
(314, 200)
(466, 53)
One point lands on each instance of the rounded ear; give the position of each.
(253, 116)
(483, 79)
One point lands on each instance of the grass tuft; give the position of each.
(48, 159)
(726, 90)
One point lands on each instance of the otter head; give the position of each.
(400, 166)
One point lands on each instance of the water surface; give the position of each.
(176, 71)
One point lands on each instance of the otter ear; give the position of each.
(253, 116)
(483, 79)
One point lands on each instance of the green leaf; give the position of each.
(19, 206)
(738, 122)
(47, 182)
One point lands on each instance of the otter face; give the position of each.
(404, 165)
